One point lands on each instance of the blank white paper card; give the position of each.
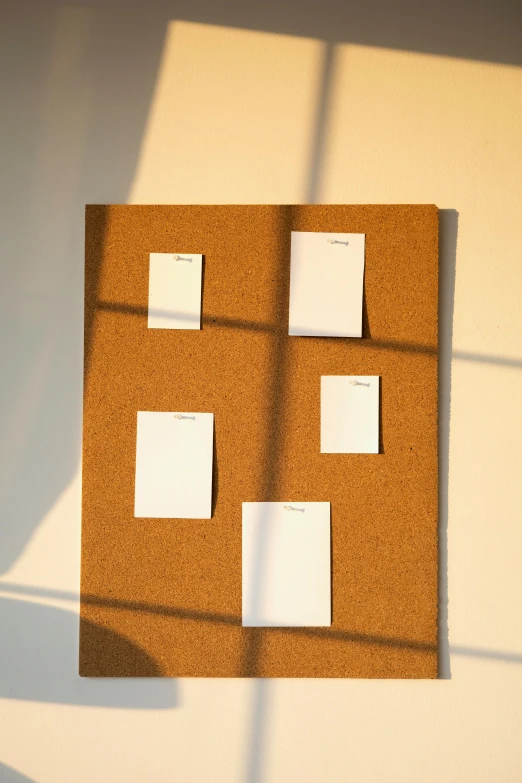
(175, 290)
(174, 465)
(286, 564)
(326, 284)
(350, 414)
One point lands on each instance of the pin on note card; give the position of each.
(286, 564)
(174, 465)
(326, 284)
(175, 290)
(350, 414)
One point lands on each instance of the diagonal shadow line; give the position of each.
(231, 620)
(356, 342)
(208, 320)
(259, 326)
(226, 619)
(501, 361)
(195, 615)
(492, 655)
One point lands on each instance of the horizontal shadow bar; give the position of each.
(224, 619)
(257, 326)
(360, 342)
(212, 617)
(501, 361)
(143, 312)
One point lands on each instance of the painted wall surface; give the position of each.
(261, 102)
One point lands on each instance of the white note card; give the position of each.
(350, 414)
(326, 284)
(174, 465)
(286, 564)
(175, 290)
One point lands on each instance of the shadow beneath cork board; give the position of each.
(448, 233)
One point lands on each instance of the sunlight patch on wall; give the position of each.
(232, 118)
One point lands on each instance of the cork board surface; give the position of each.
(170, 590)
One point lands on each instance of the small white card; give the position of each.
(174, 465)
(326, 284)
(175, 290)
(286, 564)
(350, 414)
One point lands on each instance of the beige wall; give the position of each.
(102, 106)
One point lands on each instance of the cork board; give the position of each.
(170, 590)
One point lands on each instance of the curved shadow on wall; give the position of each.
(10, 775)
(69, 143)
(38, 662)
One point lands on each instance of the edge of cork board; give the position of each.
(163, 597)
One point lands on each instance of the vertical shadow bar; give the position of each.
(275, 423)
(448, 230)
(257, 750)
(268, 491)
(324, 99)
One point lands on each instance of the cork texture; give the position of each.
(170, 590)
